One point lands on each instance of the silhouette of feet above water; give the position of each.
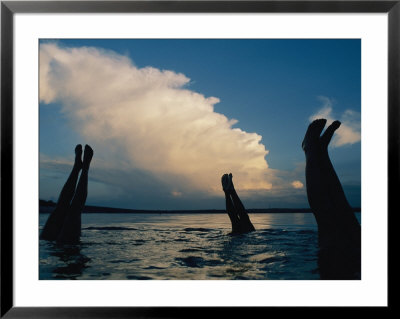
(87, 157)
(313, 140)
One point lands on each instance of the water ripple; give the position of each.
(157, 247)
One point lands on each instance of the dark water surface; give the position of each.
(184, 246)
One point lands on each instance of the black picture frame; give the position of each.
(9, 8)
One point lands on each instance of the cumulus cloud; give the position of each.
(297, 184)
(146, 119)
(349, 131)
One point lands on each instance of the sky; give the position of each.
(166, 118)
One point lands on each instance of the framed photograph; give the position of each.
(161, 156)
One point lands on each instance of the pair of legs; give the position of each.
(240, 220)
(64, 223)
(339, 233)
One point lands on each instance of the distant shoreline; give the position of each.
(46, 207)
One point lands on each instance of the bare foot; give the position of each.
(87, 157)
(311, 140)
(327, 136)
(224, 182)
(78, 156)
(230, 183)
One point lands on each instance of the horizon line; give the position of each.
(108, 209)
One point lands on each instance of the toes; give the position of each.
(87, 157)
(317, 126)
(230, 183)
(336, 124)
(224, 180)
(88, 151)
(78, 149)
(78, 156)
(313, 133)
(327, 136)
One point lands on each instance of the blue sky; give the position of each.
(255, 99)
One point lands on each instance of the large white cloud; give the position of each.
(146, 119)
(349, 131)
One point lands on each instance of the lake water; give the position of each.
(184, 246)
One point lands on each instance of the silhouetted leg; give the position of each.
(230, 209)
(56, 219)
(71, 230)
(349, 241)
(336, 192)
(338, 229)
(245, 223)
(317, 184)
